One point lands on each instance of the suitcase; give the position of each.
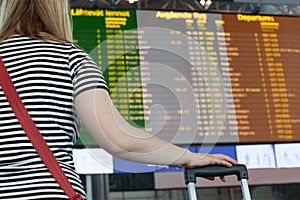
(240, 171)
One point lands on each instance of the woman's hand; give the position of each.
(199, 160)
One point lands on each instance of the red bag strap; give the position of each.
(34, 134)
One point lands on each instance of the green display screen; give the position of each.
(115, 58)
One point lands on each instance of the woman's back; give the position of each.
(47, 77)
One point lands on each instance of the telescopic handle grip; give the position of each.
(190, 174)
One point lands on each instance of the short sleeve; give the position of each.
(85, 73)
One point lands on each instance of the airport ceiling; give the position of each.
(274, 7)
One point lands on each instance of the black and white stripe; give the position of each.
(47, 76)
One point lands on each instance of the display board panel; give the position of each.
(194, 78)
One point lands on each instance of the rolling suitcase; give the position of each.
(240, 171)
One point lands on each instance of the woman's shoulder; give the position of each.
(17, 38)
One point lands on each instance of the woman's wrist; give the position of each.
(188, 158)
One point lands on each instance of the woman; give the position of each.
(57, 82)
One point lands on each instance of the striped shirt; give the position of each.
(47, 76)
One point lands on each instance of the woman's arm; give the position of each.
(115, 135)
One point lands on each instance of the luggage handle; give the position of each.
(190, 174)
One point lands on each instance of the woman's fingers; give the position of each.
(222, 178)
(211, 178)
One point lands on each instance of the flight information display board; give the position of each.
(193, 78)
